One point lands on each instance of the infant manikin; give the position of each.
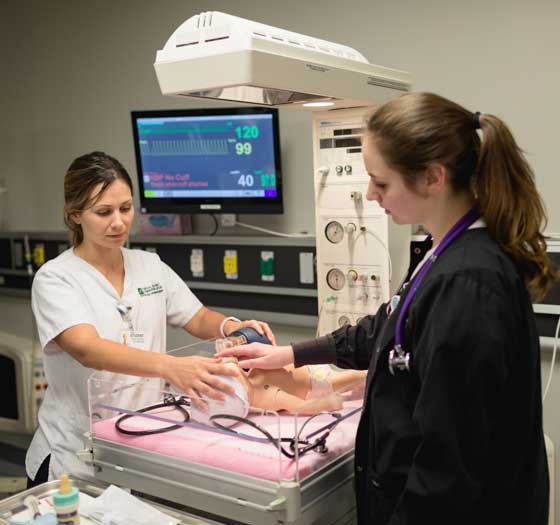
(305, 390)
(289, 389)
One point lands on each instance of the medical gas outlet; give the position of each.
(343, 320)
(356, 196)
(363, 298)
(353, 277)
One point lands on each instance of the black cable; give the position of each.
(168, 401)
(319, 443)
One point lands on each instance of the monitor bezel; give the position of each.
(23, 368)
(193, 205)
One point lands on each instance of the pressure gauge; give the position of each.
(334, 231)
(336, 279)
(343, 320)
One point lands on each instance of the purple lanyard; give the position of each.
(462, 225)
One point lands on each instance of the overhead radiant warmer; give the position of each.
(218, 56)
(223, 57)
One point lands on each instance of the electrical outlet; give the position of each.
(266, 266)
(197, 262)
(230, 264)
(228, 219)
(306, 265)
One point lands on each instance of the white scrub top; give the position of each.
(68, 291)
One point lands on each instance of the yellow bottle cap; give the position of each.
(65, 486)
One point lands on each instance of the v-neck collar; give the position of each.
(104, 278)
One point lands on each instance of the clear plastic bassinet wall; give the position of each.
(278, 425)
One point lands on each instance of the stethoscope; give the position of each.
(398, 358)
(298, 445)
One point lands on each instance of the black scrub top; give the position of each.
(458, 439)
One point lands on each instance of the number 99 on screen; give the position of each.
(243, 148)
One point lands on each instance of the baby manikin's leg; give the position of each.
(273, 398)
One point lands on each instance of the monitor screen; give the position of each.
(208, 160)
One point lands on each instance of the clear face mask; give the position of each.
(236, 404)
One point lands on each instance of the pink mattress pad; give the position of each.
(218, 449)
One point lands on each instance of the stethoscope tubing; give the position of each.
(397, 357)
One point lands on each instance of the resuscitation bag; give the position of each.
(236, 404)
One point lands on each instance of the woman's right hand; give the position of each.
(259, 355)
(197, 376)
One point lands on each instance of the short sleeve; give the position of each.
(56, 305)
(181, 303)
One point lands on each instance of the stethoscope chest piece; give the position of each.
(399, 360)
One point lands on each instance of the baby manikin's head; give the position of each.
(236, 404)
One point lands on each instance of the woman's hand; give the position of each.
(261, 328)
(258, 355)
(196, 376)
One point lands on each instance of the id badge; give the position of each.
(133, 338)
(393, 303)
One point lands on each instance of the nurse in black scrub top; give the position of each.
(451, 431)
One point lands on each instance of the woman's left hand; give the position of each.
(260, 327)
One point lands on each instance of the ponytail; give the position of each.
(504, 185)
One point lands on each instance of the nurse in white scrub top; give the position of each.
(100, 306)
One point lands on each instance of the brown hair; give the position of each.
(419, 129)
(83, 176)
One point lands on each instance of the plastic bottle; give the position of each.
(66, 501)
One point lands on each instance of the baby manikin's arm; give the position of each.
(288, 379)
(347, 379)
(270, 397)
